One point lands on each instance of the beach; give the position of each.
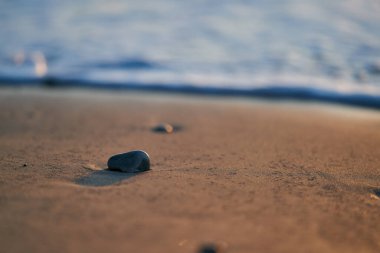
(246, 175)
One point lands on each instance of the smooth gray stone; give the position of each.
(131, 162)
(210, 248)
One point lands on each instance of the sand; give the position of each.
(245, 175)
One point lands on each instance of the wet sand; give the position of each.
(246, 175)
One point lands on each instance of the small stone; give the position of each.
(131, 162)
(209, 248)
(376, 192)
(163, 128)
(24, 165)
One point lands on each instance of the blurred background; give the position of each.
(276, 47)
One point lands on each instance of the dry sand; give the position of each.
(246, 175)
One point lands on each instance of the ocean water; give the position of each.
(307, 49)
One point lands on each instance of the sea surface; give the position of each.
(306, 49)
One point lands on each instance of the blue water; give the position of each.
(310, 49)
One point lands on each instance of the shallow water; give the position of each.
(327, 50)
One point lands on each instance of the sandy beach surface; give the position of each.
(244, 175)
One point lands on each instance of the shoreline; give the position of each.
(365, 97)
(245, 174)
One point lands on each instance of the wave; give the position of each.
(368, 96)
(127, 64)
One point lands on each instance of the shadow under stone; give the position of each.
(104, 177)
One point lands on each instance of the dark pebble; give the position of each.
(24, 165)
(163, 128)
(209, 248)
(376, 192)
(131, 162)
